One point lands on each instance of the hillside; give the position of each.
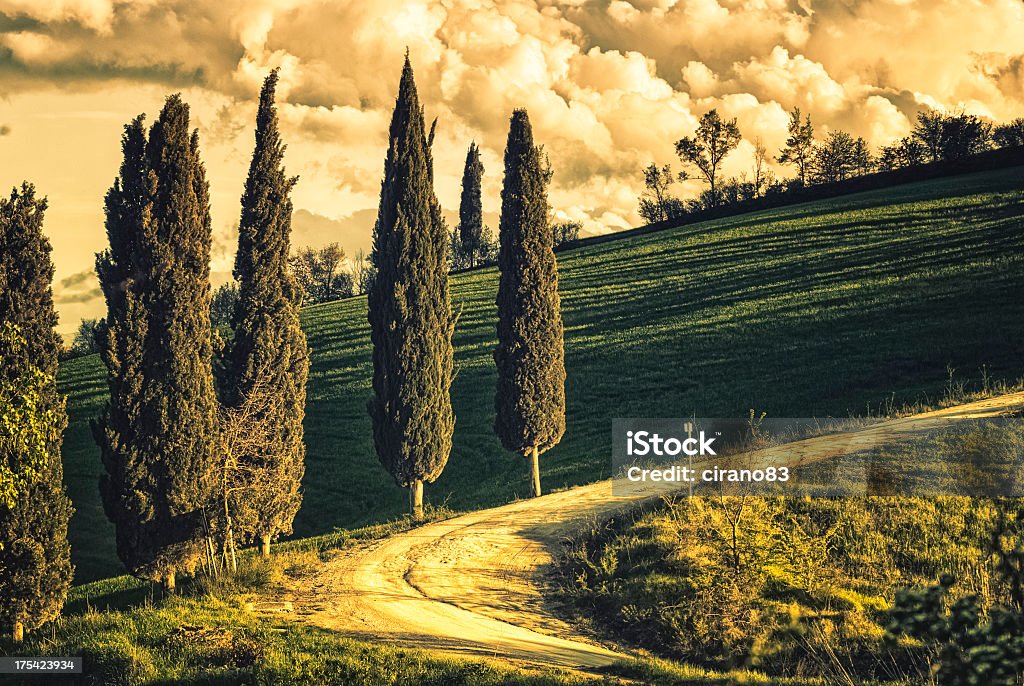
(813, 309)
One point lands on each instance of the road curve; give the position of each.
(471, 585)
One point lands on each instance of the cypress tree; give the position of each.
(410, 314)
(35, 558)
(268, 353)
(158, 432)
(471, 211)
(530, 396)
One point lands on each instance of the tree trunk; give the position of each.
(18, 634)
(265, 546)
(535, 472)
(416, 500)
(231, 549)
(211, 556)
(169, 582)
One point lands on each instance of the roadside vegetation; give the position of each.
(804, 588)
(852, 590)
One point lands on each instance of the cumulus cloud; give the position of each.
(793, 80)
(610, 85)
(95, 15)
(1006, 73)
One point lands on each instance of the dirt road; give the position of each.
(471, 585)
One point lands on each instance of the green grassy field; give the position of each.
(804, 588)
(810, 310)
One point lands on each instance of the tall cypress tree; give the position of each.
(530, 397)
(471, 210)
(35, 559)
(268, 353)
(410, 313)
(158, 432)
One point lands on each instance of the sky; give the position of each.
(610, 85)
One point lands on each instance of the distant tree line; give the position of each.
(936, 137)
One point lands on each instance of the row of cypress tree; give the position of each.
(410, 312)
(162, 434)
(164, 431)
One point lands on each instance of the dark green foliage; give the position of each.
(157, 434)
(471, 209)
(410, 315)
(472, 243)
(530, 397)
(319, 275)
(964, 135)
(714, 139)
(565, 233)
(35, 562)
(268, 353)
(906, 152)
(485, 251)
(628, 306)
(836, 158)
(84, 342)
(1010, 134)
(974, 644)
(26, 299)
(948, 137)
(863, 160)
(362, 273)
(656, 202)
(928, 132)
(799, 148)
(222, 304)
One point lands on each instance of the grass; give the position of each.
(211, 639)
(791, 586)
(810, 310)
(130, 634)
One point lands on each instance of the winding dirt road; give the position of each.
(472, 585)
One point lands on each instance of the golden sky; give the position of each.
(610, 85)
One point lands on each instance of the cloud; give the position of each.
(79, 298)
(353, 233)
(794, 81)
(610, 85)
(80, 288)
(76, 280)
(95, 15)
(5, 130)
(86, 43)
(1006, 73)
